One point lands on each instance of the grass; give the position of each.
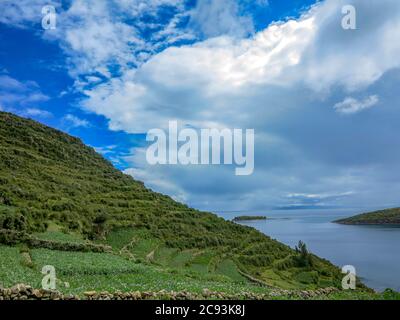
(83, 263)
(13, 270)
(228, 268)
(60, 237)
(103, 271)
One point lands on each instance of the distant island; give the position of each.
(245, 218)
(381, 217)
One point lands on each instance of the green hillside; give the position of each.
(381, 217)
(63, 204)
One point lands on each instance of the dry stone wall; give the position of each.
(25, 292)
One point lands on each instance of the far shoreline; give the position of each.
(249, 218)
(385, 217)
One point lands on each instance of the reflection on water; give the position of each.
(372, 250)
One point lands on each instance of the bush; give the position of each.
(10, 219)
(310, 277)
(390, 294)
(12, 237)
(286, 263)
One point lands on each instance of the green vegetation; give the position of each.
(63, 204)
(78, 272)
(381, 217)
(247, 218)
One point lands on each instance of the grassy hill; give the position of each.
(381, 217)
(62, 204)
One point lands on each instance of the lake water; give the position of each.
(373, 250)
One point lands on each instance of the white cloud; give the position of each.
(203, 75)
(215, 18)
(105, 149)
(351, 105)
(216, 80)
(101, 36)
(22, 12)
(15, 94)
(37, 112)
(93, 37)
(9, 83)
(321, 196)
(76, 122)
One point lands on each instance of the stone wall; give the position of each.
(25, 292)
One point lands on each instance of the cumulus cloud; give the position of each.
(282, 81)
(351, 105)
(204, 76)
(313, 52)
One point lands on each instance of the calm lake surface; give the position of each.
(373, 250)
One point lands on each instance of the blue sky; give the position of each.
(322, 100)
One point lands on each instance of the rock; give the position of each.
(206, 293)
(55, 295)
(37, 294)
(17, 289)
(89, 293)
(7, 292)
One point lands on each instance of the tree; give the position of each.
(304, 257)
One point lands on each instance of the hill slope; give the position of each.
(54, 188)
(381, 217)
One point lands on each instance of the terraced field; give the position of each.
(128, 268)
(77, 272)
